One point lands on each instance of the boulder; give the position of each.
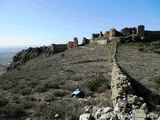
(105, 116)
(86, 116)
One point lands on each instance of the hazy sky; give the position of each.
(43, 22)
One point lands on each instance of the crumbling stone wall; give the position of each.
(85, 41)
(127, 105)
(55, 48)
(124, 98)
(129, 31)
(112, 33)
(73, 44)
(140, 30)
(100, 34)
(97, 35)
(152, 34)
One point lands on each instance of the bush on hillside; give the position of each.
(40, 88)
(3, 101)
(97, 83)
(12, 110)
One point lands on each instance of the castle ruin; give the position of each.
(125, 35)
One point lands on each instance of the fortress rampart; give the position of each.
(134, 34)
(125, 35)
(152, 34)
(55, 48)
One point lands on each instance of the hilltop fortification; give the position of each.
(124, 35)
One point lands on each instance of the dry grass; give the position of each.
(141, 63)
(51, 81)
(42, 87)
(1, 73)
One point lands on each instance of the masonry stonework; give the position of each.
(73, 44)
(140, 30)
(85, 41)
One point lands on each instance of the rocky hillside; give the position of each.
(25, 55)
(40, 86)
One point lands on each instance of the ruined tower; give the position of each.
(140, 31)
(75, 41)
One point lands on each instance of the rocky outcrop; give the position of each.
(25, 55)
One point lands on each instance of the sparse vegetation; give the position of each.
(98, 83)
(1, 73)
(141, 63)
(42, 87)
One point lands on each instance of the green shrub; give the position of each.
(52, 84)
(97, 83)
(25, 91)
(59, 93)
(40, 88)
(29, 98)
(3, 101)
(12, 110)
(27, 104)
(7, 86)
(16, 98)
(49, 98)
(32, 84)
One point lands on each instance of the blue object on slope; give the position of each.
(76, 92)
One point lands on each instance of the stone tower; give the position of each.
(75, 41)
(140, 30)
(100, 34)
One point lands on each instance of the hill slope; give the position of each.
(141, 61)
(41, 88)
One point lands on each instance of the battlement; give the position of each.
(62, 47)
(130, 34)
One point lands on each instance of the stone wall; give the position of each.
(129, 31)
(73, 44)
(112, 33)
(58, 47)
(126, 104)
(124, 98)
(102, 41)
(152, 34)
(97, 35)
(85, 41)
(140, 30)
